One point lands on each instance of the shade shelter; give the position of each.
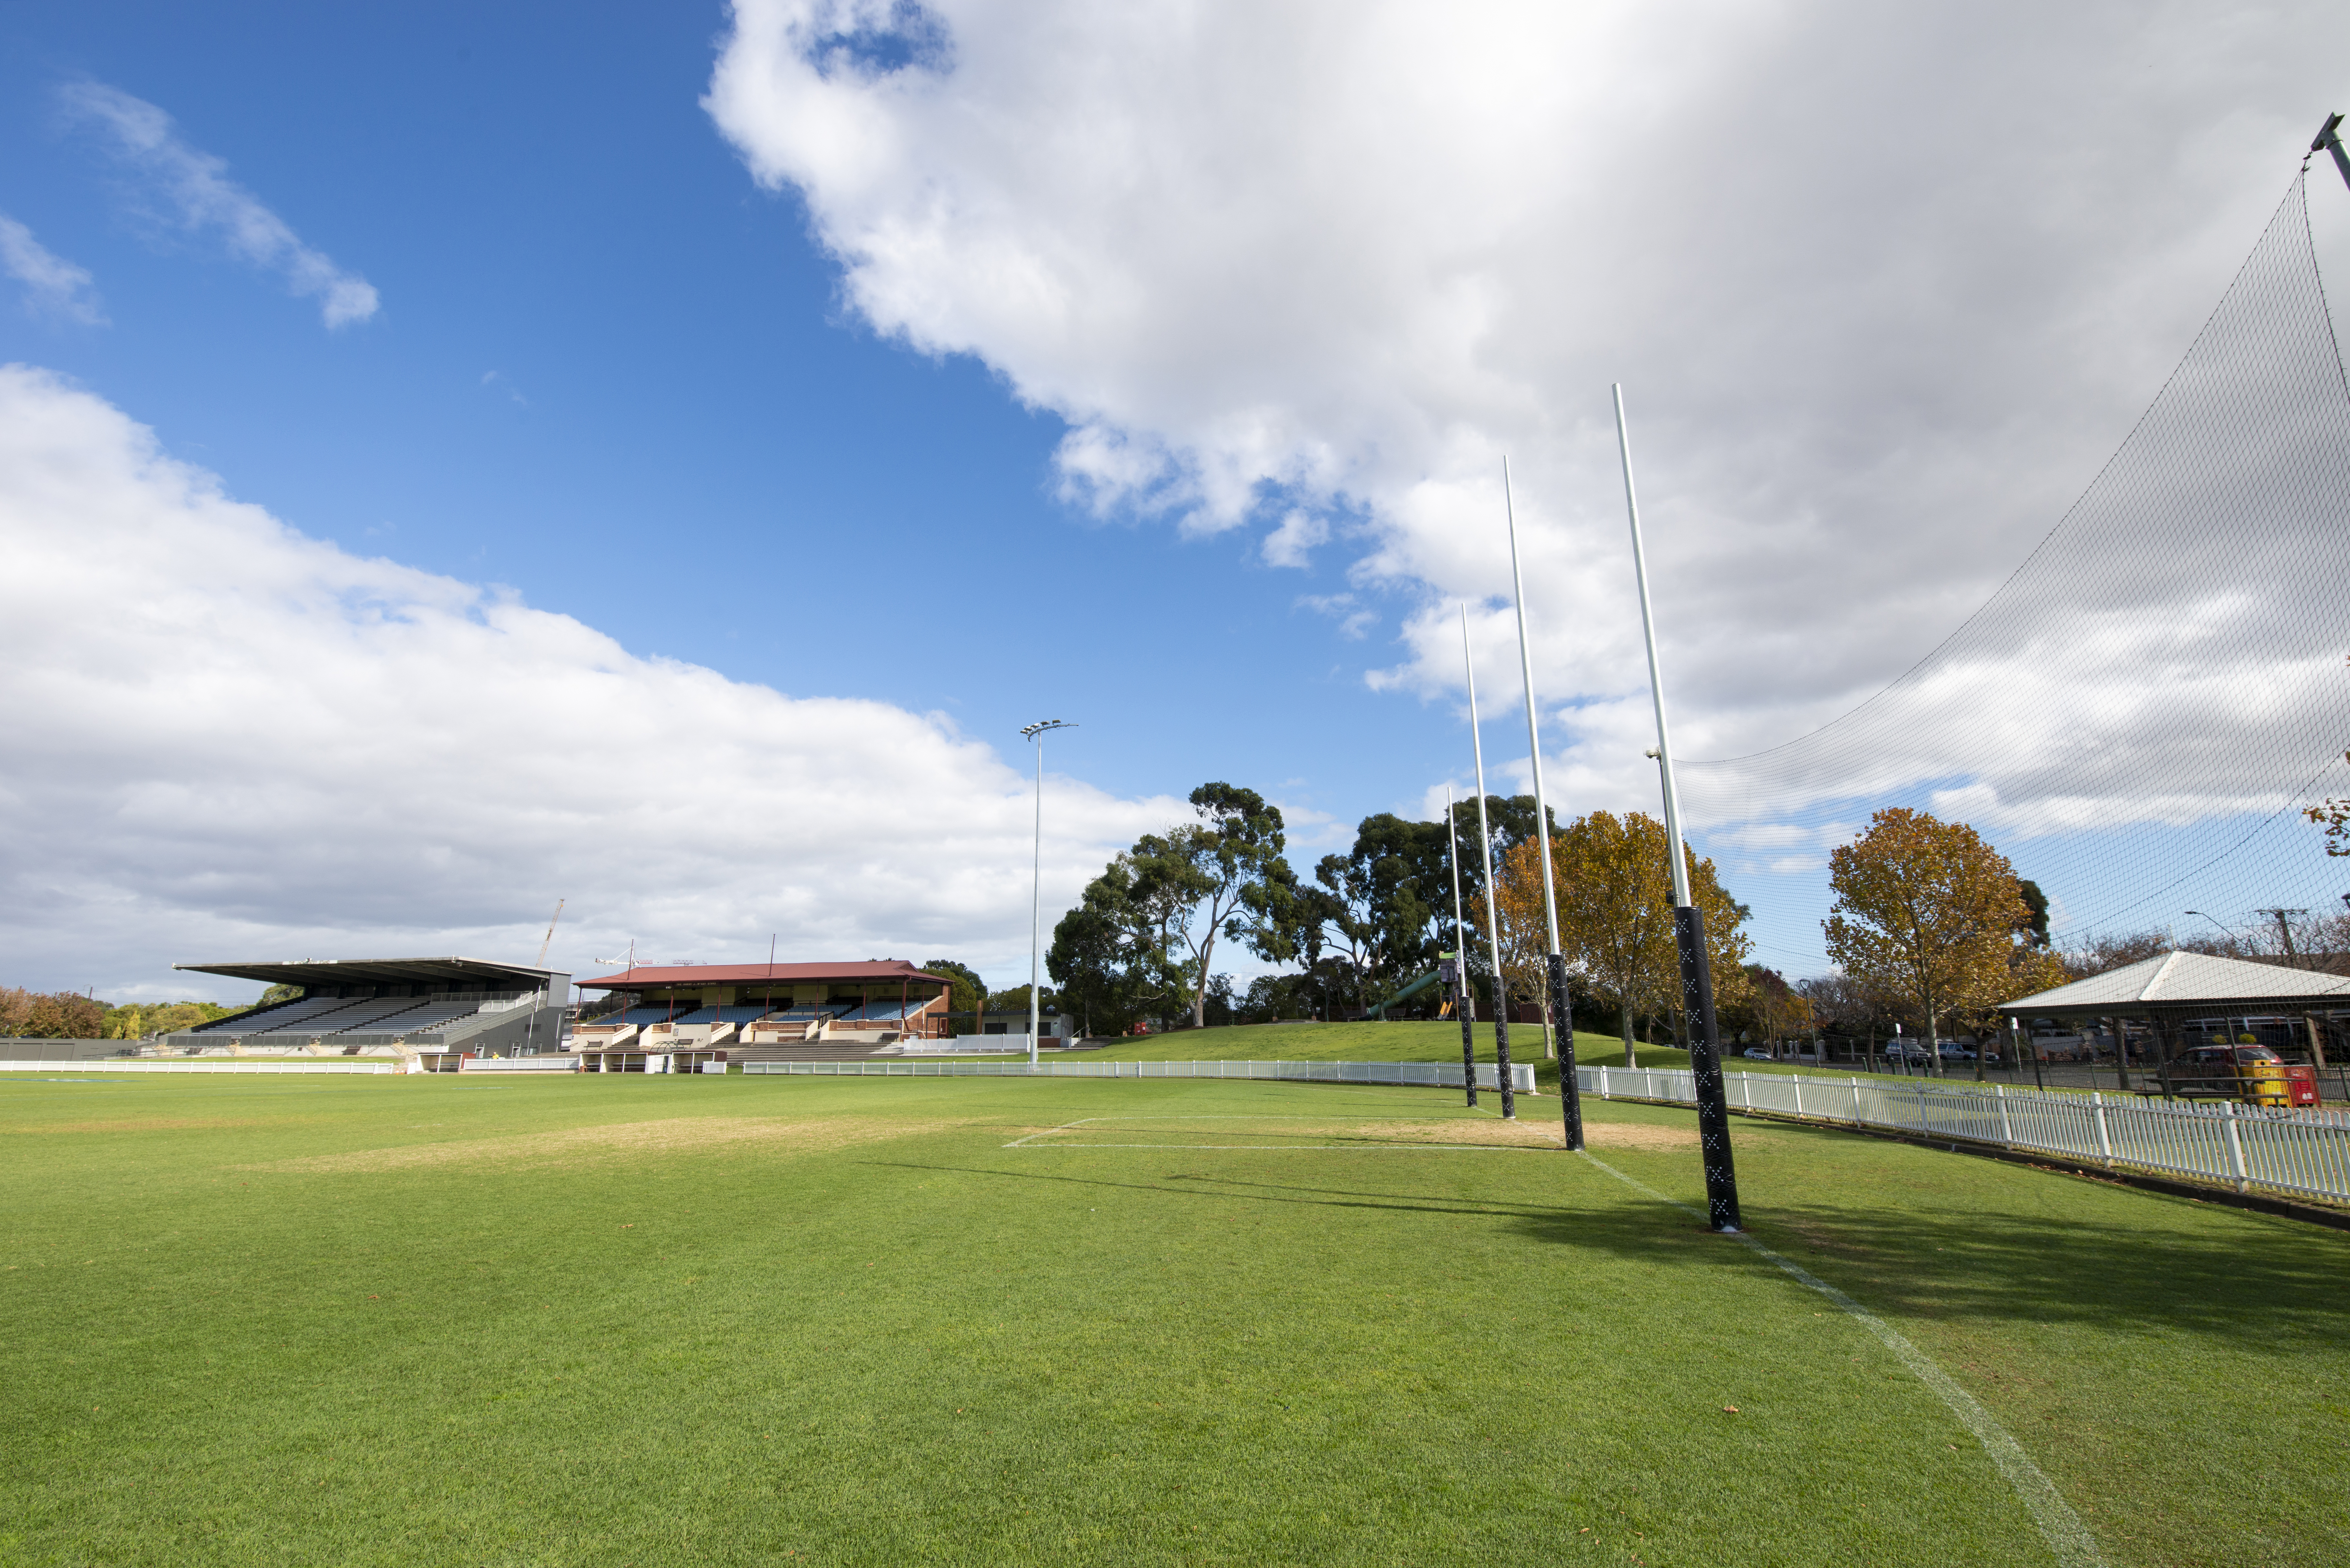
(2178, 993)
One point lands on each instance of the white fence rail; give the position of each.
(2303, 1153)
(1432, 1075)
(519, 1063)
(211, 1064)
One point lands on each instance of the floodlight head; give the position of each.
(2328, 134)
(1651, 753)
(1032, 731)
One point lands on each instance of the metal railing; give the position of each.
(1428, 1075)
(2304, 1153)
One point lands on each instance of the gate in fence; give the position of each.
(2303, 1153)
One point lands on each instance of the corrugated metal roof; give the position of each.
(478, 975)
(757, 974)
(2184, 979)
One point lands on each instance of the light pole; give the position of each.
(1035, 733)
(1689, 925)
(1562, 1019)
(2233, 934)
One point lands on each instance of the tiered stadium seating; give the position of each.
(298, 1013)
(881, 1012)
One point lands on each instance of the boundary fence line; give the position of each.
(1426, 1075)
(2303, 1154)
(217, 1064)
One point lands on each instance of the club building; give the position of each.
(707, 1015)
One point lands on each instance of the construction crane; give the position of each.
(550, 935)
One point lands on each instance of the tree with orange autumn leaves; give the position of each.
(1615, 898)
(1927, 913)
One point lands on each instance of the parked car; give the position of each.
(1756, 1053)
(1903, 1051)
(1951, 1050)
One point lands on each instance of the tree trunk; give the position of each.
(1199, 996)
(1623, 1017)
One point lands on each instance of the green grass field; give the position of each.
(700, 1320)
(1405, 1040)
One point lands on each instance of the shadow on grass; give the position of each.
(2236, 1279)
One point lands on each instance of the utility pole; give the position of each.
(1562, 1016)
(1689, 924)
(2284, 930)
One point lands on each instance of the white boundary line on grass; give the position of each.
(2062, 1528)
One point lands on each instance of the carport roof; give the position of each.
(2188, 982)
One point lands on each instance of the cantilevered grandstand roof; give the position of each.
(868, 971)
(2183, 982)
(454, 973)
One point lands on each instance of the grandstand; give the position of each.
(701, 1013)
(429, 1005)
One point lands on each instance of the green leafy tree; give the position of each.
(966, 993)
(1232, 850)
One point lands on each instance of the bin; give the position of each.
(2265, 1084)
(2301, 1083)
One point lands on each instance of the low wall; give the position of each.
(64, 1050)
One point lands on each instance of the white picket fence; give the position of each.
(193, 1065)
(2305, 1153)
(1428, 1075)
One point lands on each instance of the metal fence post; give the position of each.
(2235, 1149)
(2105, 1141)
(2006, 1137)
(1856, 1099)
(1797, 1080)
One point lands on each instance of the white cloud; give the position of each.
(1292, 544)
(1886, 285)
(53, 286)
(196, 185)
(234, 742)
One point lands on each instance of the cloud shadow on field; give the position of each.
(2174, 1266)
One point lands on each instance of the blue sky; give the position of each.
(945, 368)
(611, 374)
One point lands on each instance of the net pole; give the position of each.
(1492, 914)
(1570, 1097)
(1461, 1005)
(1689, 924)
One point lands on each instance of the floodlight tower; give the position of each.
(1035, 733)
(1689, 925)
(2329, 139)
